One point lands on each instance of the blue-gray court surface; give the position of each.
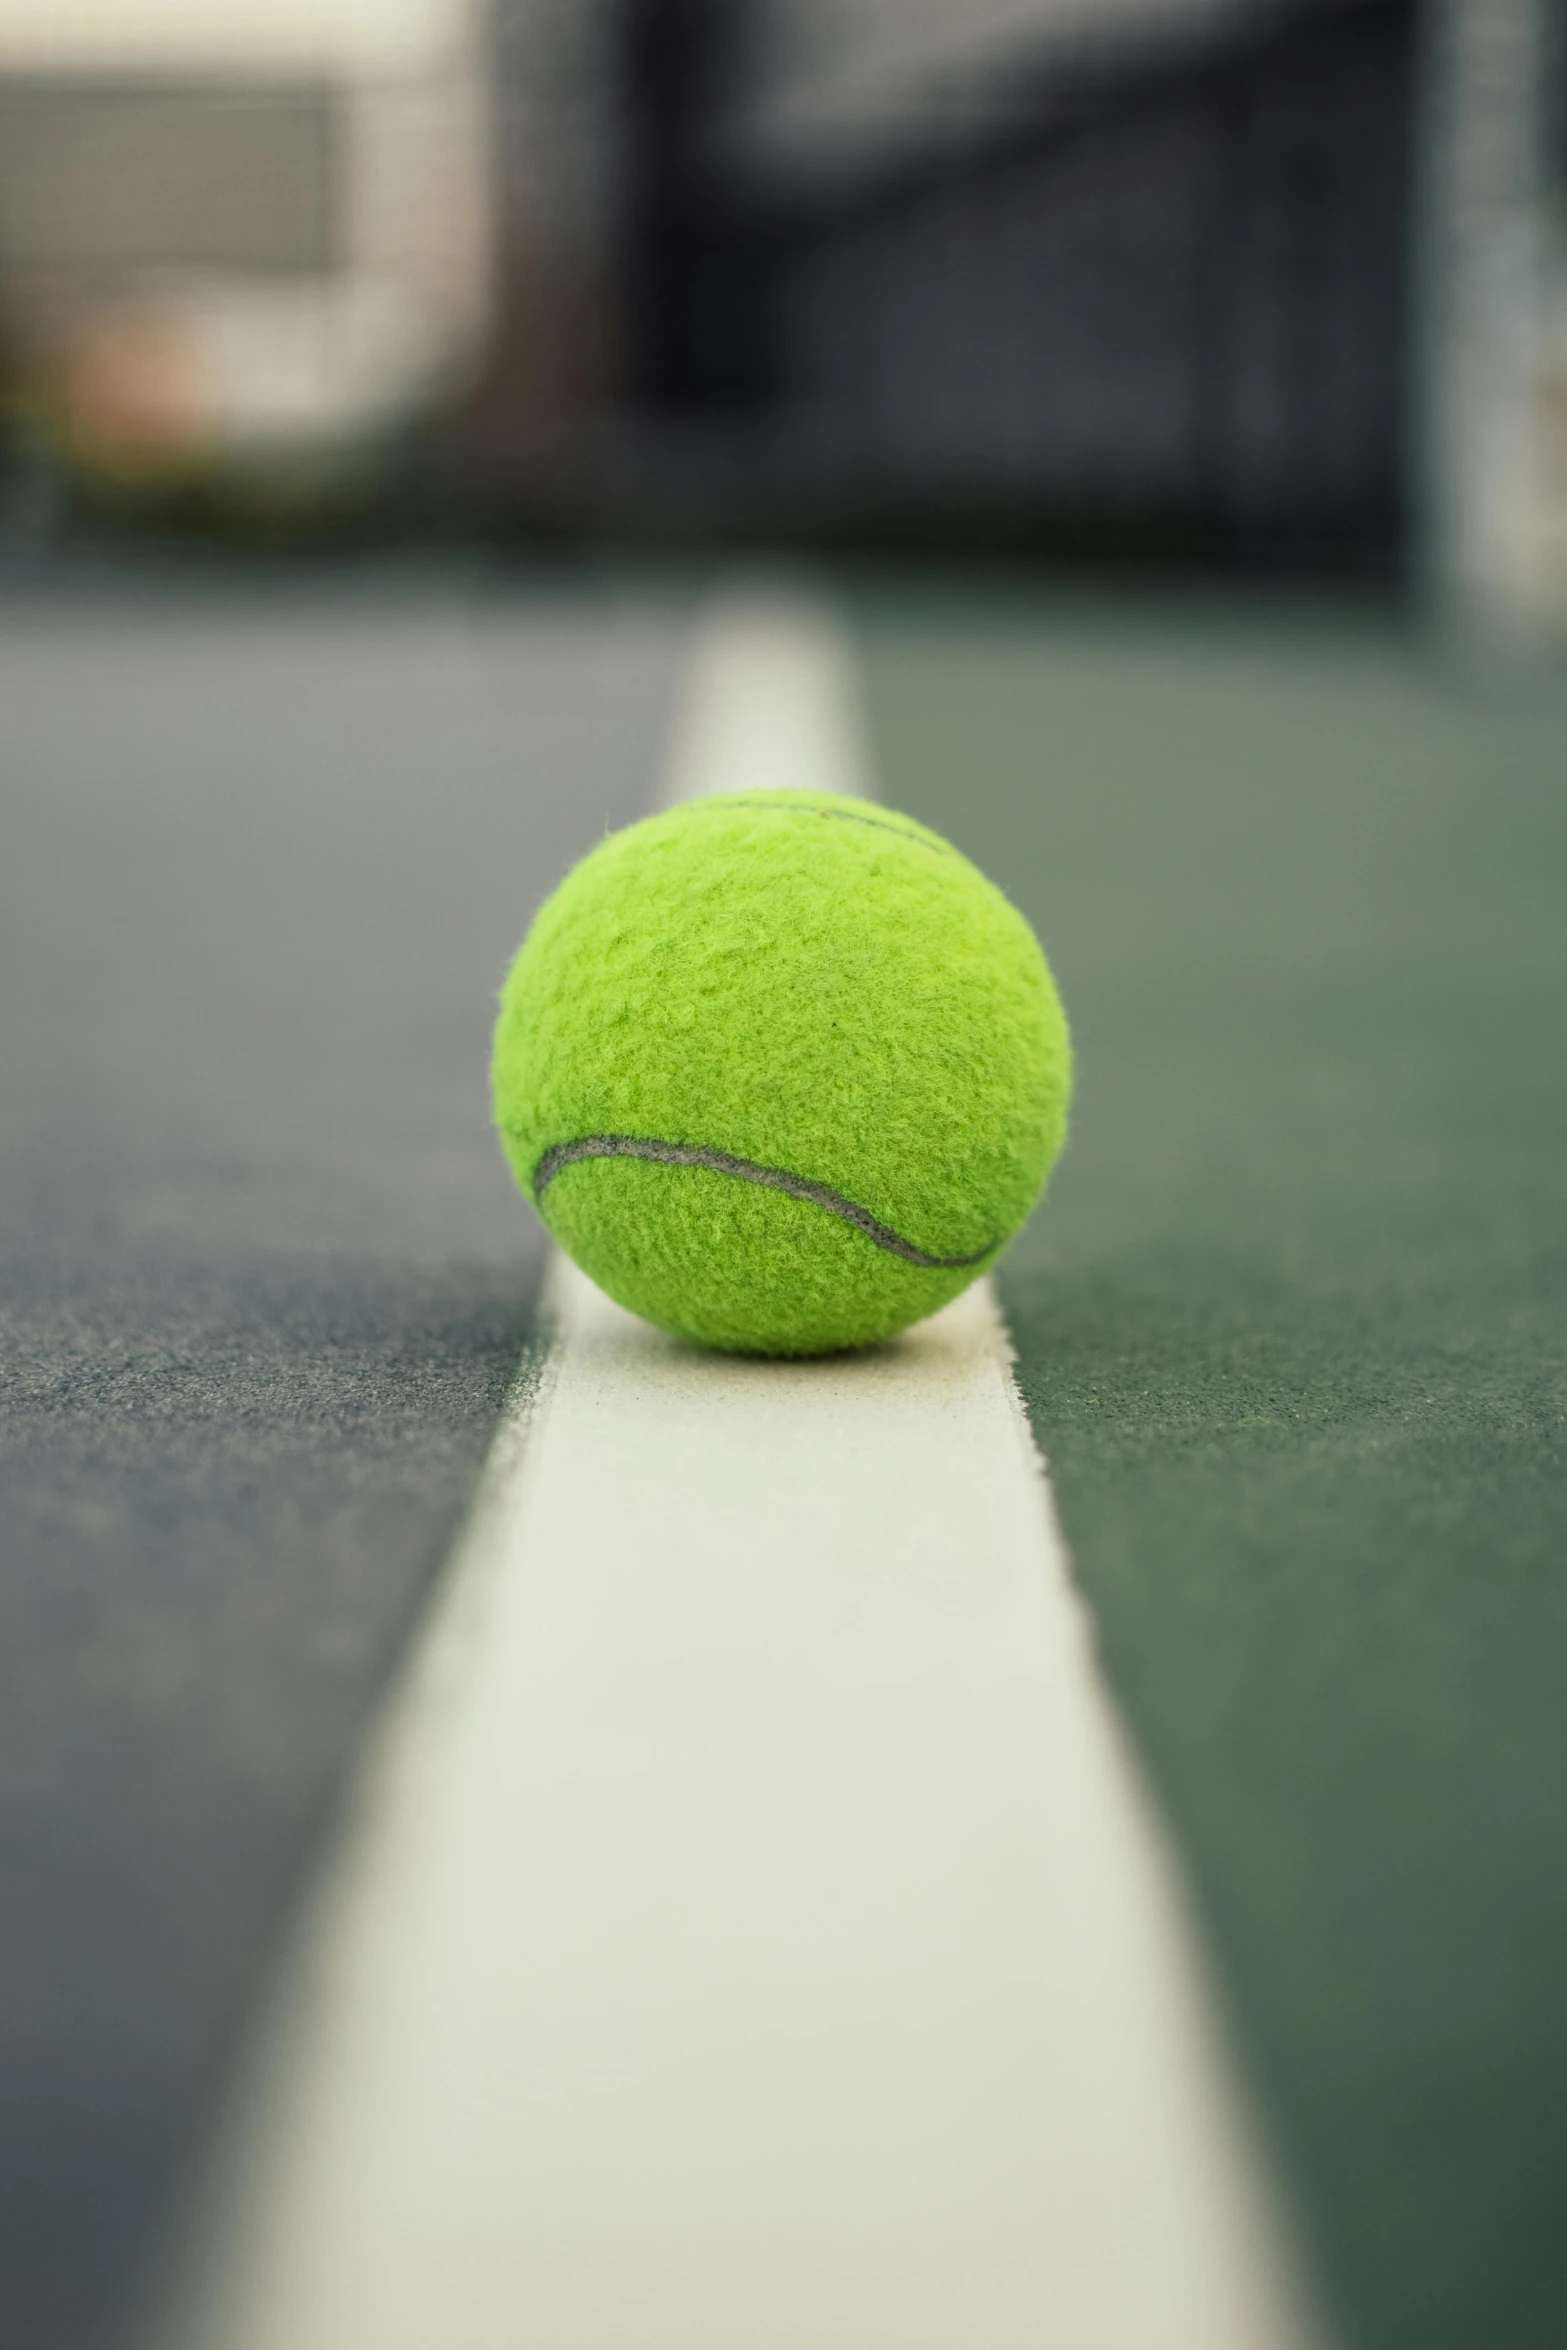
(1290, 1327)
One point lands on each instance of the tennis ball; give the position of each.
(782, 1072)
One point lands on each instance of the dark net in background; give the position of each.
(1139, 294)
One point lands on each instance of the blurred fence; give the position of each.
(1155, 300)
(1267, 279)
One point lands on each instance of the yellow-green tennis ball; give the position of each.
(781, 1072)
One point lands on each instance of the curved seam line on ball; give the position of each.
(837, 815)
(692, 1154)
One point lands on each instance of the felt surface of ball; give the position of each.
(781, 1072)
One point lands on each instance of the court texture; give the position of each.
(513, 1831)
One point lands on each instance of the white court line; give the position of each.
(769, 704)
(750, 1932)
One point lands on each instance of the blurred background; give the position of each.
(1269, 282)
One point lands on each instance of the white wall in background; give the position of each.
(254, 35)
(1493, 343)
(241, 229)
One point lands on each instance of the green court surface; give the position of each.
(1292, 1330)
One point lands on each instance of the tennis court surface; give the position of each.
(1288, 1330)
(1291, 1334)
